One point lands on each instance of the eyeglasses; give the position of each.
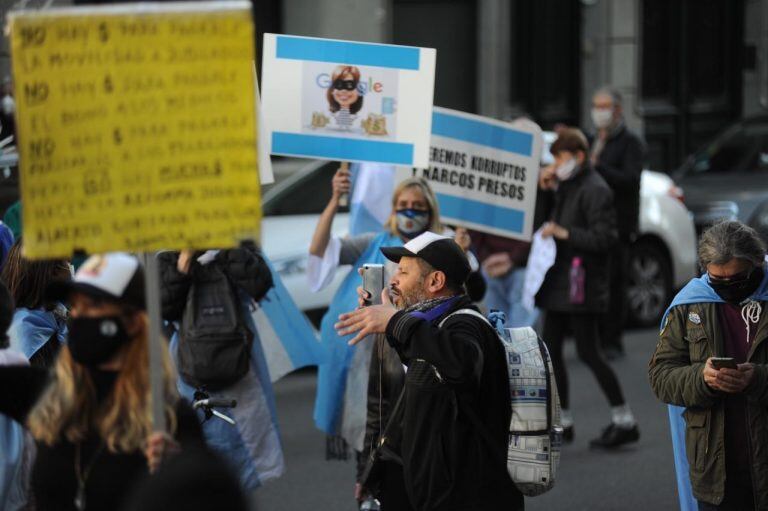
(744, 275)
(344, 84)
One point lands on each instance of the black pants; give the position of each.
(612, 322)
(585, 332)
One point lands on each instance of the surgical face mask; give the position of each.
(412, 222)
(565, 171)
(738, 289)
(94, 341)
(602, 117)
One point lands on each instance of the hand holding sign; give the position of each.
(341, 184)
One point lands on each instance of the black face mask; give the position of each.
(94, 341)
(738, 290)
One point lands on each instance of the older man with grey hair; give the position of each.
(712, 359)
(617, 154)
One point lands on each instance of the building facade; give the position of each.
(686, 68)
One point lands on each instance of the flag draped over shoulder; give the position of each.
(696, 291)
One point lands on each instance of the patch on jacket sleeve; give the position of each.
(694, 318)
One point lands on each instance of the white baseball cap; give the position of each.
(115, 276)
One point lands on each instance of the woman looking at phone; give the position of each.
(712, 359)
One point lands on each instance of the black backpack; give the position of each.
(214, 342)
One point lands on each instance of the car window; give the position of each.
(729, 153)
(306, 196)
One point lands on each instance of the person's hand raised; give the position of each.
(547, 178)
(365, 321)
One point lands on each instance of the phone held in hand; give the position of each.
(373, 282)
(721, 362)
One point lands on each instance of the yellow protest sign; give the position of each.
(137, 127)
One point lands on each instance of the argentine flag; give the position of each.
(371, 197)
(288, 339)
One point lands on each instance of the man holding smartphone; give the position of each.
(444, 445)
(712, 359)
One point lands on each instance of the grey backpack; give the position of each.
(535, 431)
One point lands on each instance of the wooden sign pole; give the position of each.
(344, 198)
(152, 296)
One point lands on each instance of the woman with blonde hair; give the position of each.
(92, 420)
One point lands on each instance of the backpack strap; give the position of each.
(471, 312)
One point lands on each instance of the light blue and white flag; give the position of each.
(287, 337)
(371, 198)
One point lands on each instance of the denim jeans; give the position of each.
(505, 293)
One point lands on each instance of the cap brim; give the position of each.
(61, 290)
(395, 253)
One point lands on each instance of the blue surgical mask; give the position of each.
(412, 222)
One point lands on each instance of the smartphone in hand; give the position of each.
(373, 282)
(721, 362)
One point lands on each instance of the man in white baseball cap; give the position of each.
(450, 425)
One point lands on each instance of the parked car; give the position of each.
(728, 177)
(663, 257)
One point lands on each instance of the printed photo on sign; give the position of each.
(349, 100)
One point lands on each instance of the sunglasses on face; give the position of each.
(744, 275)
(344, 84)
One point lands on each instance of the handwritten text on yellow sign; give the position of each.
(137, 130)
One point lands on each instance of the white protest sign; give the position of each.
(266, 175)
(540, 260)
(349, 101)
(484, 172)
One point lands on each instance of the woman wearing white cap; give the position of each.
(92, 421)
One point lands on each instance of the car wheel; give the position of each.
(649, 285)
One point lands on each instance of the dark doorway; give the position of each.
(450, 26)
(690, 74)
(546, 70)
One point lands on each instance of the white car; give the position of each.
(663, 257)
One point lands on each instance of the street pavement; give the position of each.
(638, 477)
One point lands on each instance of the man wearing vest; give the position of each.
(444, 447)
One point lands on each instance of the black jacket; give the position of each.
(584, 206)
(457, 382)
(621, 163)
(245, 267)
